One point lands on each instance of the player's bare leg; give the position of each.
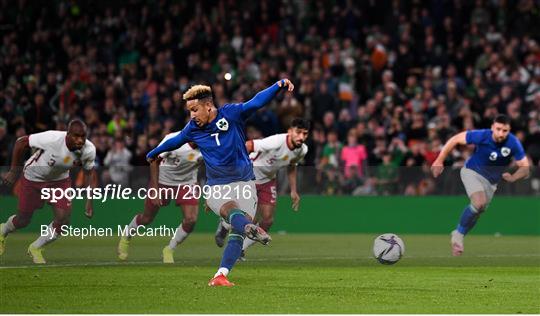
(467, 221)
(182, 231)
(14, 222)
(145, 218)
(35, 250)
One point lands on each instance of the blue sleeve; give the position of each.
(233, 111)
(519, 153)
(259, 100)
(475, 136)
(170, 145)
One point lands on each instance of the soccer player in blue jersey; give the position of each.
(230, 191)
(494, 151)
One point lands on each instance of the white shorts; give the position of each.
(243, 193)
(475, 182)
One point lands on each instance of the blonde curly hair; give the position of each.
(197, 92)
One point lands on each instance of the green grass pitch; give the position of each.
(295, 274)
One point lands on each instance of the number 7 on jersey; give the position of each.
(216, 135)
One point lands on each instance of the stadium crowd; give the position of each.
(385, 83)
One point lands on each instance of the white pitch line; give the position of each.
(116, 263)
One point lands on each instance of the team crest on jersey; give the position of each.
(493, 156)
(191, 157)
(285, 158)
(67, 159)
(505, 151)
(222, 124)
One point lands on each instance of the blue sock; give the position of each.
(238, 221)
(233, 250)
(468, 220)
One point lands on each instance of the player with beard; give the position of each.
(494, 151)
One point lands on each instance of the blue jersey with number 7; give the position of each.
(222, 141)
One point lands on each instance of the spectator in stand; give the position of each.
(331, 151)
(354, 157)
(118, 161)
(387, 175)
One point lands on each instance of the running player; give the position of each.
(56, 152)
(269, 155)
(172, 175)
(219, 134)
(494, 150)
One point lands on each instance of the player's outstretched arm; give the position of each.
(438, 165)
(169, 145)
(21, 146)
(521, 173)
(263, 97)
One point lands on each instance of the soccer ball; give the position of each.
(388, 248)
